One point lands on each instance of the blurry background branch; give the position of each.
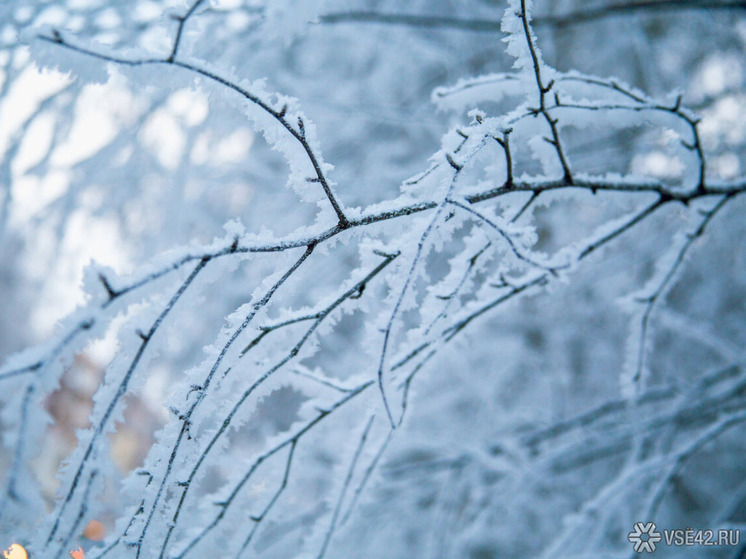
(496, 322)
(570, 18)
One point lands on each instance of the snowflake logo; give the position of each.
(644, 537)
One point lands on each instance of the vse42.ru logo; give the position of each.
(690, 537)
(645, 536)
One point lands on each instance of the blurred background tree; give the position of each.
(586, 393)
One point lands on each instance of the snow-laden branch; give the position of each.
(459, 244)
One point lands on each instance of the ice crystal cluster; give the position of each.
(375, 279)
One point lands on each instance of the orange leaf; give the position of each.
(16, 551)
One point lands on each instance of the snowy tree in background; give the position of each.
(371, 279)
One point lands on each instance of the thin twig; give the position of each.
(102, 424)
(345, 486)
